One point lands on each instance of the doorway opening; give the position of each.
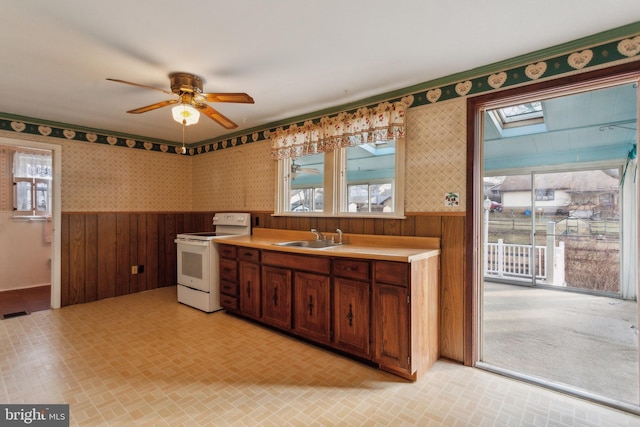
(556, 276)
(30, 211)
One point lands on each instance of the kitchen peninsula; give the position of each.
(374, 298)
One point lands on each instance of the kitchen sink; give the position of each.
(310, 244)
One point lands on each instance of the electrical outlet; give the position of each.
(134, 269)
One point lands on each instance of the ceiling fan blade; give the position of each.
(153, 106)
(139, 85)
(216, 116)
(241, 98)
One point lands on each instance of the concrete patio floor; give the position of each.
(580, 340)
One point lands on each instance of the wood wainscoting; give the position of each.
(99, 249)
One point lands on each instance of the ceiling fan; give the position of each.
(296, 169)
(188, 88)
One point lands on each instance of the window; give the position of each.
(306, 183)
(544, 194)
(366, 182)
(32, 174)
(517, 120)
(370, 177)
(521, 114)
(370, 197)
(344, 164)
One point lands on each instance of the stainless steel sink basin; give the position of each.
(311, 244)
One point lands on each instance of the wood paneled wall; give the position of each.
(98, 250)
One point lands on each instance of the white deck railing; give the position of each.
(509, 260)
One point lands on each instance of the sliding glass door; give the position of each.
(557, 302)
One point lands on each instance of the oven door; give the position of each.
(194, 264)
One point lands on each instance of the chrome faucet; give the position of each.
(319, 235)
(339, 236)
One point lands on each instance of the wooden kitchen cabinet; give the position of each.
(228, 271)
(405, 307)
(311, 290)
(391, 303)
(276, 296)
(351, 306)
(391, 323)
(249, 282)
(385, 312)
(351, 330)
(312, 310)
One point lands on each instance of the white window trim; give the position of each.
(335, 187)
(33, 212)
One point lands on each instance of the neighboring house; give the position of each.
(490, 185)
(583, 194)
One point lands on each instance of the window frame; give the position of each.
(38, 181)
(34, 212)
(335, 187)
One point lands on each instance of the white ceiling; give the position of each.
(293, 57)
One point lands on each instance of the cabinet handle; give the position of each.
(350, 315)
(310, 305)
(275, 296)
(249, 288)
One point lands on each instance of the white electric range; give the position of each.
(198, 267)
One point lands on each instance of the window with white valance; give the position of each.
(343, 165)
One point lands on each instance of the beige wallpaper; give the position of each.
(104, 178)
(6, 178)
(242, 178)
(436, 157)
(235, 179)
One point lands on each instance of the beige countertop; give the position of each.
(364, 246)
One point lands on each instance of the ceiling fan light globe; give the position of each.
(185, 114)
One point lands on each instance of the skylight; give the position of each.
(521, 115)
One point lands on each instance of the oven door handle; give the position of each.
(192, 242)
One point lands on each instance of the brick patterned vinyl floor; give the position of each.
(145, 360)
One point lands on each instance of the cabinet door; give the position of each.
(351, 316)
(276, 296)
(391, 323)
(312, 311)
(249, 289)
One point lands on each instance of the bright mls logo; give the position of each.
(34, 415)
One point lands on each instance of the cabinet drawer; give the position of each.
(316, 264)
(229, 288)
(249, 254)
(394, 273)
(351, 269)
(228, 270)
(230, 303)
(228, 251)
